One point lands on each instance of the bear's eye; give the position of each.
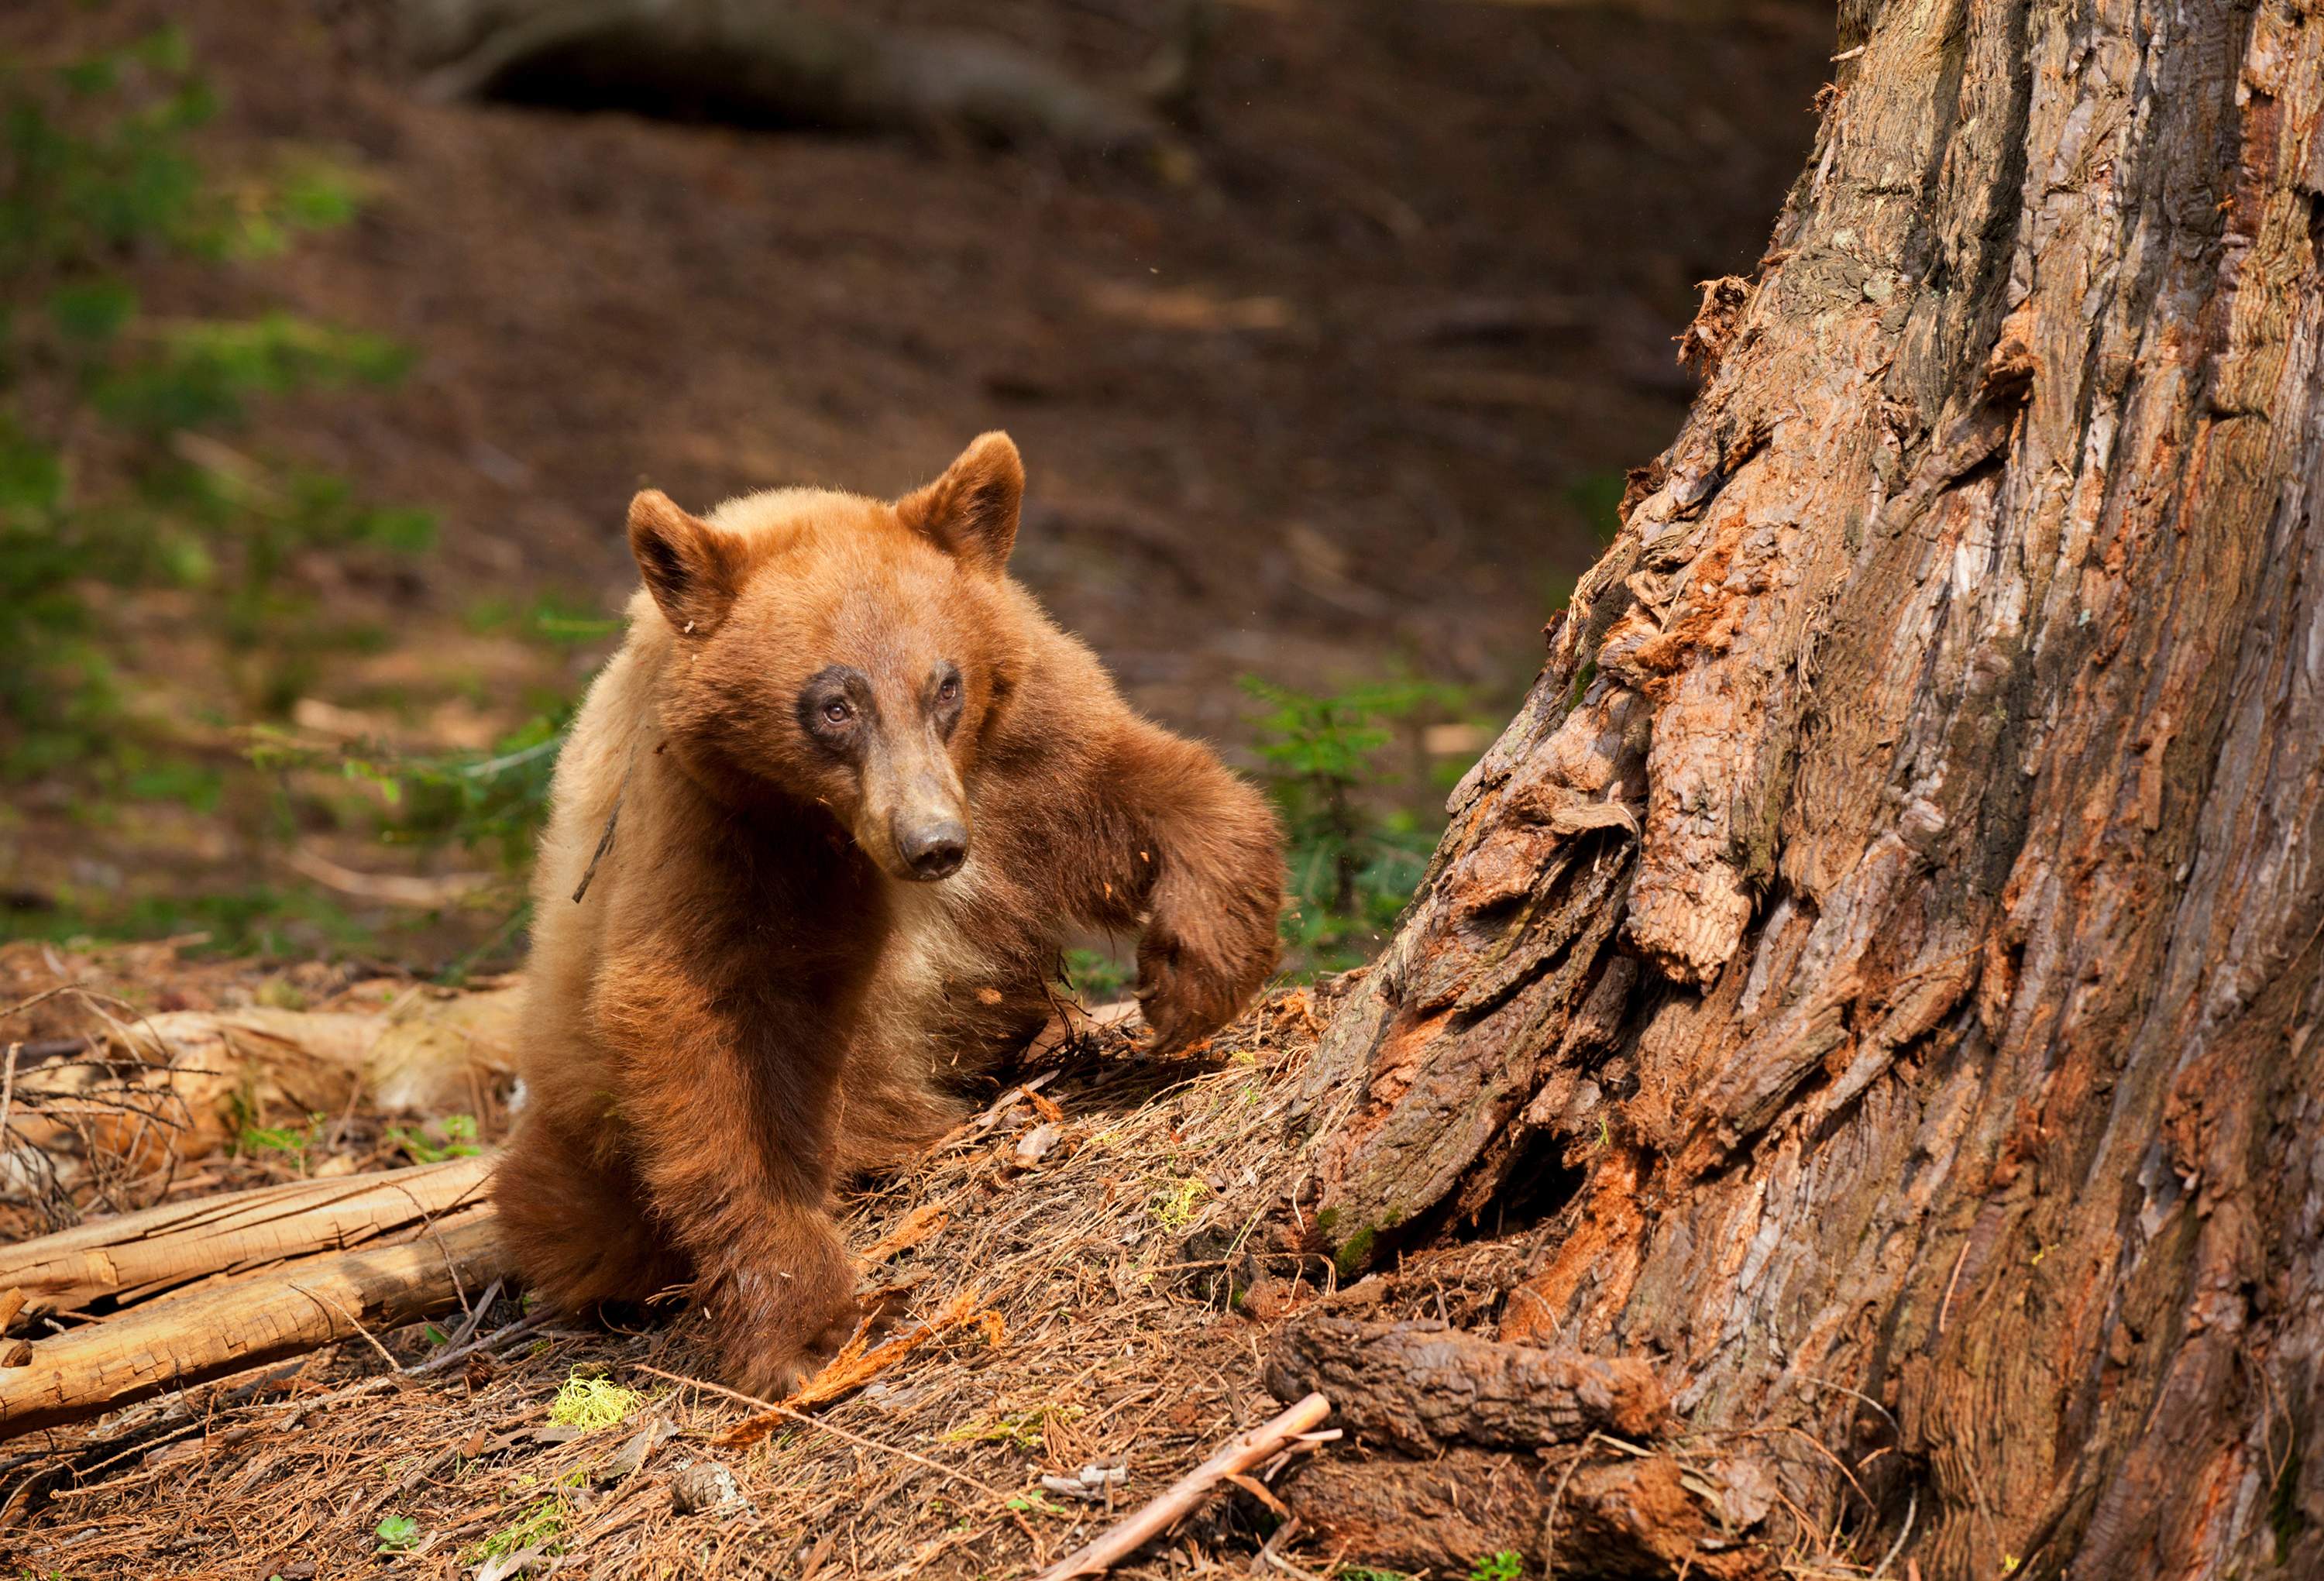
(950, 691)
(837, 712)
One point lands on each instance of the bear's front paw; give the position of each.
(1188, 991)
(776, 1328)
(774, 1362)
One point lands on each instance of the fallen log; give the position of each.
(1421, 1386)
(766, 61)
(247, 1322)
(183, 1083)
(137, 1256)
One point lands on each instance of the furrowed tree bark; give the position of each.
(1888, 936)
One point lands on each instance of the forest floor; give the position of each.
(1347, 398)
(1068, 1255)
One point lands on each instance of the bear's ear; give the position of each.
(692, 569)
(970, 511)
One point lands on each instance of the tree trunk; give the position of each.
(1887, 940)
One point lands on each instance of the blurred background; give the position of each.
(338, 333)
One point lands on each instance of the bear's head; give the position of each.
(847, 652)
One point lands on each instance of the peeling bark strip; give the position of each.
(1936, 1054)
(1421, 1386)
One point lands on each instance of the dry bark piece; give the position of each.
(246, 1323)
(632, 1456)
(202, 1071)
(1423, 1385)
(138, 1256)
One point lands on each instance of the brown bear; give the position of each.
(814, 845)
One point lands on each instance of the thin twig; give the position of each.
(385, 1355)
(1888, 1559)
(1549, 1527)
(20, 1005)
(475, 1314)
(1159, 1513)
(8, 1092)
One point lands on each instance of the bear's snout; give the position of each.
(933, 848)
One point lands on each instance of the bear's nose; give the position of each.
(934, 850)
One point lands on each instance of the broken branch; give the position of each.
(1171, 1505)
(139, 1255)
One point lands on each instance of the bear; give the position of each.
(814, 843)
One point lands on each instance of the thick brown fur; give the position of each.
(762, 988)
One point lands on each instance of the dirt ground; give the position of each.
(1348, 397)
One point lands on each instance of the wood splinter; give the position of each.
(1177, 1501)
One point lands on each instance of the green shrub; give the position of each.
(1353, 861)
(122, 471)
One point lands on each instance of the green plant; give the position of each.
(1027, 1430)
(1174, 1207)
(459, 1134)
(1505, 1565)
(1352, 863)
(592, 1402)
(251, 1140)
(396, 1533)
(1095, 976)
(534, 1527)
(111, 470)
(492, 802)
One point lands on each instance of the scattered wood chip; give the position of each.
(1089, 1484)
(921, 1223)
(1037, 1144)
(631, 1457)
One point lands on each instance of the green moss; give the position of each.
(592, 1402)
(534, 1528)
